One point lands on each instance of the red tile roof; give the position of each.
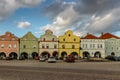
(107, 36)
(89, 36)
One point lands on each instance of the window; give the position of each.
(100, 45)
(15, 46)
(34, 46)
(90, 45)
(9, 46)
(83, 45)
(13, 39)
(3, 39)
(43, 46)
(2, 46)
(73, 46)
(117, 48)
(47, 46)
(93, 45)
(55, 46)
(97, 45)
(24, 46)
(25, 39)
(86, 45)
(69, 35)
(63, 46)
(52, 39)
(64, 39)
(44, 39)
(74, 39)
(112, 48)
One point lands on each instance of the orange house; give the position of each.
(9, 46)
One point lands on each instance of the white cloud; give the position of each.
(24, 25)
(7, 7)
(63, 20)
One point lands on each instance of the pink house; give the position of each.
(9, 46)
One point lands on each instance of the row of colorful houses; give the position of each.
(49, 44)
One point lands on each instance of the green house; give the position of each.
(29, 46)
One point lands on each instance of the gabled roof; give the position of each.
(29, 36)
(107, 36)
(89, 36)
(8, 36)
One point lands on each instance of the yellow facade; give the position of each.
(69, 44)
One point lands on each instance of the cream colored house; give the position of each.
(48, 44)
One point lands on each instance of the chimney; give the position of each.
(87, 33)
(102, 34)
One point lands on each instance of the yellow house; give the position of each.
(69, 44)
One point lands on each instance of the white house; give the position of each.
(92, 46)
(112, 44)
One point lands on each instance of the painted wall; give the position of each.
(9, 43)
(66, 43)
(28, 44)
(92, 46)
(112, 45)
(50, 40)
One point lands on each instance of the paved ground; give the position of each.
(35, 70)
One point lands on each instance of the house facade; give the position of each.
(48, 44)
(92, 46)
(112, 44)
(69, 44)
(29, 46)
(9, 46)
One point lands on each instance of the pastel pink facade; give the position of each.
(9, 45)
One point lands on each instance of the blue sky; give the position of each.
(80, 16)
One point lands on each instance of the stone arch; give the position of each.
(24, 55)
(34, 55)
(97, 54)
(75, 54)
(46, 54)
(2, 55)
(55, 54)
(86, 54)
(63, 54)
(112, 54)
(13, 55)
